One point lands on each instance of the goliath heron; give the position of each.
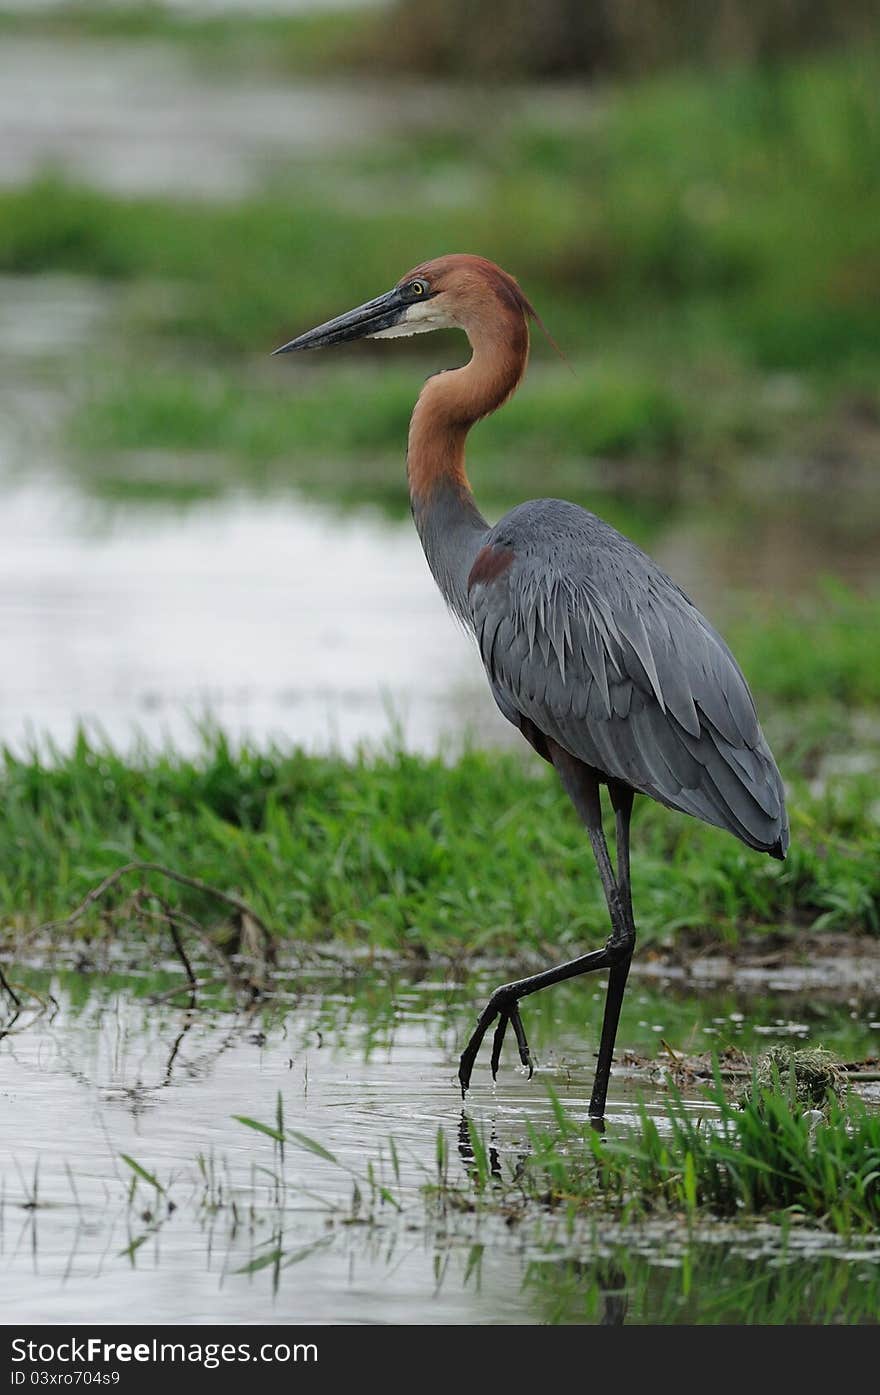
(606, 667)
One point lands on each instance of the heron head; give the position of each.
(453, 292)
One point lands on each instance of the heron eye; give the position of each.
(418, 287)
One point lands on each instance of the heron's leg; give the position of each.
(582, 786)
(622, 799)
(503, 1003)
(584, 793)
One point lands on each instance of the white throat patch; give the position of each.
(420, 317)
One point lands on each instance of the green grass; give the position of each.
(409, 853)
(764, 1157)
(824, 648)
(305, 428)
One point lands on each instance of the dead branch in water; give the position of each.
(8, 988)
(194, 883)
(171, 922)
(253, 930)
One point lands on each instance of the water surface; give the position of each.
(251, 1237)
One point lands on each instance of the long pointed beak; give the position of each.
(381, 313)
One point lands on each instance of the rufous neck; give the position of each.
(450, 403)
(450, 525)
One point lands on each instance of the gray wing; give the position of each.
(586, 638)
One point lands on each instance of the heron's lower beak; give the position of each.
(381, 313)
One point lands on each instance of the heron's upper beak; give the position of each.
(381, 313)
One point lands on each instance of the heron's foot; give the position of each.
(503, 1005)
(515, 1021)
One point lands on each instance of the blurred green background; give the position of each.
(689, 194)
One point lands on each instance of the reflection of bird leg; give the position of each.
(495, 1161)
(465, 1146)
(468, 1153)
(612, 1282)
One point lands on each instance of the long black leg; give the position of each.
(622, 799)
(584, 794)
(582, 786)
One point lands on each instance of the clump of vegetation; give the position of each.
(809, 1075)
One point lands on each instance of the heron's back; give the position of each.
(585, 637)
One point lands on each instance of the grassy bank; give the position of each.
(704, 247)
(408, 853)
(435, 38)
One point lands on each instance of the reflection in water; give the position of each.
(479, 1161)
(727, 1278)
(614, 1296)
(132, 1184)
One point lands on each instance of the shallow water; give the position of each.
(277, 617)
(356, 1063)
